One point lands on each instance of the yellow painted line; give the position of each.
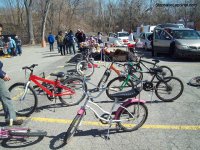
(93, 123)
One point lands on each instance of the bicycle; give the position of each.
(165, 85)
(166, 71)
(108, 70)
(85, 65)
(129, 109)
(25, 100)
(195, 81)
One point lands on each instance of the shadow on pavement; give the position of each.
(20, 143)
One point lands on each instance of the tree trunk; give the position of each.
(44, 19)
(28, 5)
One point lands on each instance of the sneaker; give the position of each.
(16, 122)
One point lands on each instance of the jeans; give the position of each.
(72, 45)
(51, 47)
(62, 49)
(6, 102)
(19, 50)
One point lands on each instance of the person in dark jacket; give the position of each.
(71, 41)
(51, 40)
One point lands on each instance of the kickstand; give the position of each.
(107, 135)
(54, 104)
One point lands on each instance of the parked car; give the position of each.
(121, 37)
(172, 25)
(178, 42)
(144, 41)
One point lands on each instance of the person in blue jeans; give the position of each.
(5, 98)
(18, 45)
(71, 41)
(51, 40)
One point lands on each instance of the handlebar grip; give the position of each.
(24, 67)
(32, 66)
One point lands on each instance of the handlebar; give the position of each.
(31, 67)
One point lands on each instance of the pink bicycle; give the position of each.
(131, 113)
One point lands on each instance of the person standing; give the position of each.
(18, 45)
(60, 40)
(12, 46)
(71, 41)
(10, 114)
(51, 40)
(99, 37)
(66, 43)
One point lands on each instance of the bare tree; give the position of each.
(28, 5)
(44, 18)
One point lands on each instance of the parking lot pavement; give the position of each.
(172, 125)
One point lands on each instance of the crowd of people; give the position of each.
(66, 41)
(10, 46)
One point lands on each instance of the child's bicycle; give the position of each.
(130, 115)
(69, 91)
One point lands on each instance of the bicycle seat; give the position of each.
(124, 95)
(156, 70)
(59, 74)
(156, 60)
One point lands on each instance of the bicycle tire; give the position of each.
(20, 106)
(167, 72)
(86, 66)
(114, 86)
(167, 85)
(80, 89)
(195, 81)
(27, 132)
(72, 128)
(124, 113)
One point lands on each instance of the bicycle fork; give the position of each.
(25, 90)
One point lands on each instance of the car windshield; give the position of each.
(186, 34)
(172, 25)
(123, 34)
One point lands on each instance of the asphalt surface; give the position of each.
(169, 126)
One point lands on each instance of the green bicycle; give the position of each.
(166, 88)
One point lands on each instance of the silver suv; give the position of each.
(178, 42)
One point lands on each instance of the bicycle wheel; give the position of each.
(26, 105)
(80, 89)
(167, 72)
(133, 117)
(27, 132)
(169, 89)
(72, 128)
(116, 85)
(85, 68)
(195, 81)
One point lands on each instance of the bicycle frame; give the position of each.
(122, 106)
(4, 133)
(55, 84)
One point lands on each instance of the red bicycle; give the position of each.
(70, 91)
